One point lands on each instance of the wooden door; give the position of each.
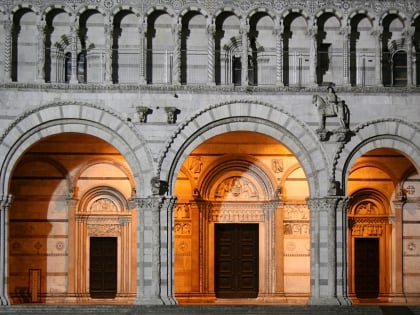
(366, 267)
(103, 267)
(236, 260)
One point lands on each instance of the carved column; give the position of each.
(244, 71)
(41, 51)
(142, 38)
(409, 33)
(328, 250)
(108, 32)
(5, 202)
(176, 32)
(211, 29)
(278, 33)
(377, 35)
(8, 35)
(312, 32)
(74, 36)
(346, 55)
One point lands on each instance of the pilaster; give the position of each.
(408, 34)
(155, 250)
(74, 36)
(5, 202)
(328, 250)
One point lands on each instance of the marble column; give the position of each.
(176, 74)
(377, 35)
(313, 49)
(41, 51)
(278, 33)
(74, 37)
(142, 37)
(345, 32)
(244, 30)
(328, 250)
(408, 34)
(155, 271)
(5, 202)
(211, 29)
(8, 35)
(108, 33)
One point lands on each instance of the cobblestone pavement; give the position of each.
(210, 310)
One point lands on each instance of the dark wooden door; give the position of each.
(236, 260)
(103, 267)
(367, 267)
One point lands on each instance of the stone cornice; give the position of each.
(205, 89)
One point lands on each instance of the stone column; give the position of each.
(328, 250)
(74, 36)
(278, 33)
(142, 38)
(41, 52)
(8, 34)
(5, 202)
(397, 286)
(377, 35)
(108, 32)
(313, 32)
(211, 29)
(155, 271)
(408, 34)
(176, 74)
(345, 31)
(244, 71)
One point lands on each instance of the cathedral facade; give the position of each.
(221, 151)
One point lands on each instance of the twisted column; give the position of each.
(211, 29)
(346, 57)
(176, 32)
(278, 33)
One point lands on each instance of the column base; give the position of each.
(324, 301)
(4, 301)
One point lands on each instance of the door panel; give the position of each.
(236, 260)
(103, 267)
(367, 267)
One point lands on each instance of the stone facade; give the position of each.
(152, 124)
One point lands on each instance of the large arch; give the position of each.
(244, 115)
(84, 118)
(389, 133)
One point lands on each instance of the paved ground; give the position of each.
(210, 310)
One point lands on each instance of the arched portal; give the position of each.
(241, 222)
(71, 191)
(381, 224)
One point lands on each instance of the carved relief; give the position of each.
(195, 164)
(277, 165)
(236, 188)
(182, 211)
(104, 229)
(366, 208)
(296, 212)
(183, 228)
(103, 205)
(232, 215)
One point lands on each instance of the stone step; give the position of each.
(208, 310)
